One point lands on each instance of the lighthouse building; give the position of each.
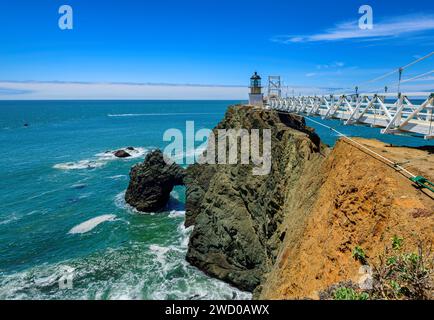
(256, 97)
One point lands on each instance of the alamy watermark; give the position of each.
(66, 20)
(221, 146)
(366, 21)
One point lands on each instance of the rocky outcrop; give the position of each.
(152, 181)
(121, 154)
(238, 215)
(290, 234)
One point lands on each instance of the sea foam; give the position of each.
(176, 214)
(83, 164)
(101, 159)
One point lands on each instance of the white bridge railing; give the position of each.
(410, 112)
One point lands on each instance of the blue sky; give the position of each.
(311, 44)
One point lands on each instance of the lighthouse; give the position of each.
(256, 97)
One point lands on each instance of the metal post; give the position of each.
(399, 83)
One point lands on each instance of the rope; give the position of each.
(418, 60)
(418, 77)
(394, 164)
(399, 69)
(410, 79)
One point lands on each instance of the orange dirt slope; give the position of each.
(362, 202)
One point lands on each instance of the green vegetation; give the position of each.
(401, 275)
(359, 254)
(344, 293)
(397, 275)
(397, 243)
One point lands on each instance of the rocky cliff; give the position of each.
(291, 234)
(237, 216)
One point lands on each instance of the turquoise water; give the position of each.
(55, 176)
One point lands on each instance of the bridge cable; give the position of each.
(394, 164)
(401, 69)
(411, 79)
(418, 77)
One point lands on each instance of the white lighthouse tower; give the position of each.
(256, 97)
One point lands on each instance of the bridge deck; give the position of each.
(403, 115)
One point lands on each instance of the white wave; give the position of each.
(185, 235)
(10, 218)
(110, 155)
(117, 177)
(101, 159)
(83, 164)
(176, 214)
(158, 249)
(78, 186)
(160, 255)
(91, 223)
(186, 287)
(174, 194)
(158, 271)
(120, 202)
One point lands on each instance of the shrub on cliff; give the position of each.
(400, 275)
(397, 275)
(345, 293)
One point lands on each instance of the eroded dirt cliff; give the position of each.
(362, 202)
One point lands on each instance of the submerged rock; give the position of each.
(121, 154)
(152, 181)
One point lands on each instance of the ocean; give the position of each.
(62, 207)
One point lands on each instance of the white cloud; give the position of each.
(386, 29)
(337, 64)
(117, 91)
(128, 91)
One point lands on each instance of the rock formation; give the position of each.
(151, 183)
(290, 234)
(121, 154)
(237, 215)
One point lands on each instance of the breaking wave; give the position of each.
(101, 159)
(120, 202)
(91, 224)
(176, 214)
(83, 164)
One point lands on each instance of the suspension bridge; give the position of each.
(396, 113)
(394, 116)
